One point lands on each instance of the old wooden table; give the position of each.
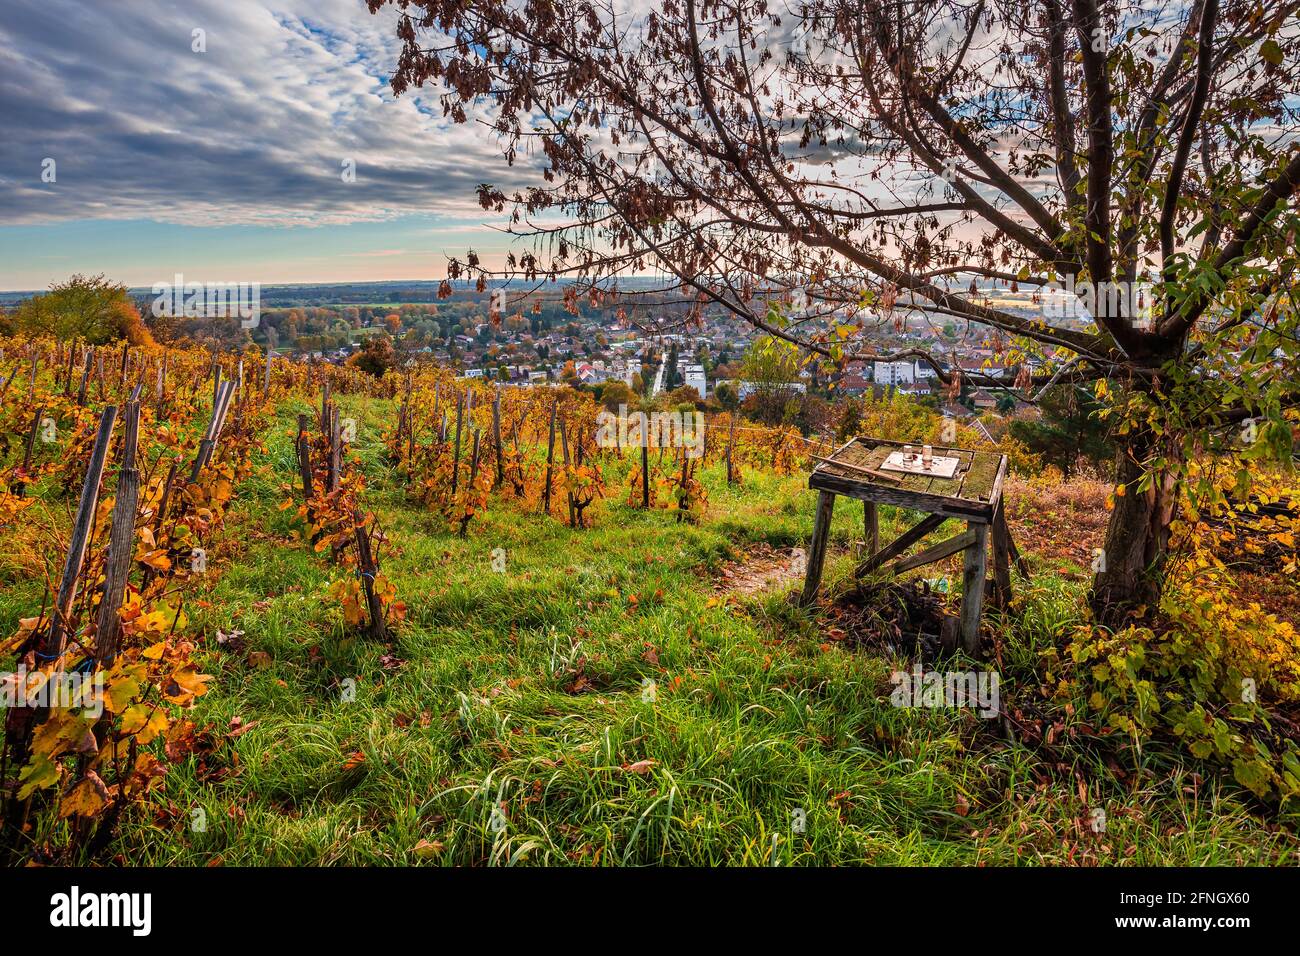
(973, 495)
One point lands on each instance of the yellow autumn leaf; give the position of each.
(156, 559)
(187, 682)
(87, 798)
(123, 686)
(144, 722)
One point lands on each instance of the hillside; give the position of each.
(638, 691)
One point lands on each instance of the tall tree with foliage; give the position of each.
(796, 164)
(1069, 431)
(91, 309)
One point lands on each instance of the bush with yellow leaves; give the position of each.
(1220, 676)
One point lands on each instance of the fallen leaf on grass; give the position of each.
(355, 760)
(427, 848)
(238, 728)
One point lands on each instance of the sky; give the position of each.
(226, 154)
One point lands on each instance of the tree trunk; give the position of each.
(1129, 583)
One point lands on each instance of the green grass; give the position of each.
(514, 712)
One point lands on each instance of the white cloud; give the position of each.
(253, 131)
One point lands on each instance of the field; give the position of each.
(509, 720)
(640, 691)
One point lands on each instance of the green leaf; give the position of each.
(42, 772)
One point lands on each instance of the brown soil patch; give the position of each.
(762, 568)
(1060, 522)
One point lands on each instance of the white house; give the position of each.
(693, 376)
(894, 373)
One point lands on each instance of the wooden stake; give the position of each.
(304, 464)
(550, 458)
(85, 380)
(72, 566)
(367, 568)
(460, 420)
(731, 441)
(121, 542)
(20, 488)
(496, 435)
(564, 445)
(645, 470)
(209, 442)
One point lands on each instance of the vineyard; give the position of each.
(336, 618)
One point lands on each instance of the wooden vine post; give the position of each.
(403, 419)
(121, 541)
(455, 464)
(85, 379)
(410, 424)
(496, 436)
(20, 487)
(162, 386)
(683, 502)
(335, 438)
(210, 438)
(564, 445)
(731, 441)
(72, 566)
(473, 476)
(304, 466)
(645, 469)
(550, 458)
(367, 569)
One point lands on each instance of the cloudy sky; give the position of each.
(226, 164)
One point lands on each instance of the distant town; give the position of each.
(644, 339)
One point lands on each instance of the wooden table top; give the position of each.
(971, 493)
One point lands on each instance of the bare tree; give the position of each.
(823, 169)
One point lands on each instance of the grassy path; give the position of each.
(513, 718)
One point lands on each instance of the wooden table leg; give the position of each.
(871, 525)
(817, 549)
(1001, 559)
(972, 587)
